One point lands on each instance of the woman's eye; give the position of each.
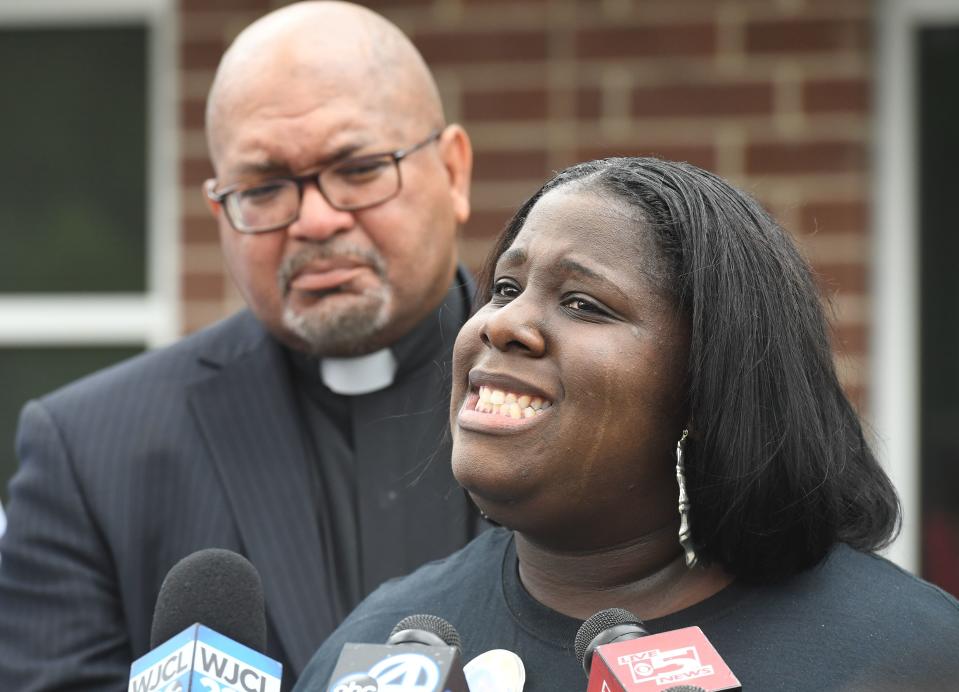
(505, 290)
(582, 305)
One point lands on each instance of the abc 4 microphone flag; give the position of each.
(199, 659)
(381, 667)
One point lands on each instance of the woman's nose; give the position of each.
(515, 326)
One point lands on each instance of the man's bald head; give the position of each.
(331, 94)
(335, 48)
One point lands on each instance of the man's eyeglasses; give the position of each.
(348, 185)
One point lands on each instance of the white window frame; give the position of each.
(895, 313)
(152, 317)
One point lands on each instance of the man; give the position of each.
(306, 432)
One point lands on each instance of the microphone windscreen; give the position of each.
(217, 588)
(498, 670)
(608, 619)
(427, 623)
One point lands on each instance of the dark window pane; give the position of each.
(939, 286)
(26, 373)
(72, 171)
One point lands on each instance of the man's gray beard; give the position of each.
(342, 333)
(349, 330)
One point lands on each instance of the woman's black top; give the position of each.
(856, 622)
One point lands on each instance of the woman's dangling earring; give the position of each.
(685, 535)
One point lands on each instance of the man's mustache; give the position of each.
(296, 262)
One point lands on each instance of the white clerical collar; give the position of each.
(359, 375)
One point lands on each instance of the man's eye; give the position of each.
(262, 194)
(362, 170)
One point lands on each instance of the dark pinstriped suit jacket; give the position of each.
(197, 445)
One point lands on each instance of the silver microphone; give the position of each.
(497, 670)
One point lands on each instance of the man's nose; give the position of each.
(318, 220)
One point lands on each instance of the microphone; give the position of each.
(497, 670)
(209, 626)
(422, 653)
(619, 655)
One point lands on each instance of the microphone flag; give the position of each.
(199, 659)
(397, 667)
(658, 662)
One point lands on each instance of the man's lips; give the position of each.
(325, 279)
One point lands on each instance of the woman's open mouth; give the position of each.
(488, 409)
(499, 402)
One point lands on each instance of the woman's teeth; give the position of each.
(503, 403)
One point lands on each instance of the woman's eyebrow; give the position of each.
(513, 257)
(570, 266)
(517, 256)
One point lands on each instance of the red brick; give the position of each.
(487, 223)
(196, 317)
(200, 54)
(646, 41)
(589, 103)
(466, 46)
(836, 95)
(806, 157)
(193, 115)
(806, 35)
(857, 395)
(193, 172)
(474, 258)
(509, 165)
(226, 5)
(390, 5)
(851, 339)
(703, 100)
(529, 104)
(831, 217)
(703, 156)
(202, 287)
(842, 278)
(198, 230)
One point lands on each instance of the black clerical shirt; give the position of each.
(385, 498)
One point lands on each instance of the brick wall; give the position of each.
(771, 94)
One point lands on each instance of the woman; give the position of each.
(642, 315)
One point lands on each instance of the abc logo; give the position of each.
(358, 682)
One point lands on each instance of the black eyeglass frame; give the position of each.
(314, 176)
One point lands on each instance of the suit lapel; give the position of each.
(248, 415)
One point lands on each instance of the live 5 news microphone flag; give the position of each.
(619, 655)
(211, 602)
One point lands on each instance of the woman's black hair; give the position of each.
(777, 468)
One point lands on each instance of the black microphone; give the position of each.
(218, 588)
(209, 627)
(421, 653)
(619, 655)
(605, 627)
